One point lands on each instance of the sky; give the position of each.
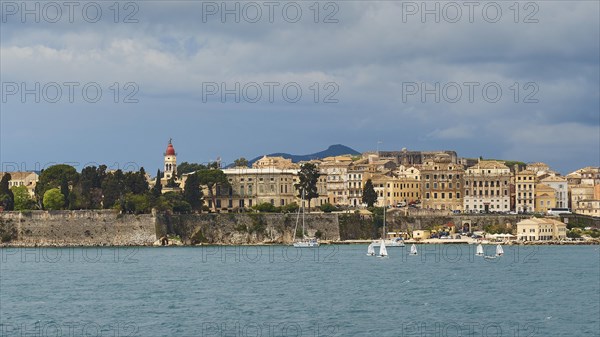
(99, 83)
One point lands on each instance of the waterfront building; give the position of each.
(561, 190)
(442, 184)
(525, 191)
(355, 187)
(544, 198)
(589, 207)
(336, 171)
(487, 187)
(580, 192)
(541, 229)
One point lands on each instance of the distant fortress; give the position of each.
(405, 157)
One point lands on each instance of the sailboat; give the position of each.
(371, 250)
(479, 251)
(382, 249)
(499, 250)
(305, 242)
(413, 249)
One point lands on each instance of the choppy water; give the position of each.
(273, 291)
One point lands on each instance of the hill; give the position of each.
(333, 150)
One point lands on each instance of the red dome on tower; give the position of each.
(170, 150)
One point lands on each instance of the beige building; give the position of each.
(561, 190)
(588, 207)
(544, 198)
(541, 229)
(525, 191)
(355, 187)
(487, 187)
(336, 171)
(441, 184)
(274, 162)
(252, 186)
(581, 192)
(27, 179)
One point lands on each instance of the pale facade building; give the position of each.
(525, 191)
(275, 162)
(561, 190)
(336, 171)
(541, 229)
(487, 187)
(20, 178)
(588, 207)
(355, 187)
(581, 192)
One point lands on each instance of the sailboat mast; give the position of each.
(303, 213)
(384, 211)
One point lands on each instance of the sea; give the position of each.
(333, 290)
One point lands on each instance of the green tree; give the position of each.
(7, 198)
(186, 167)
(308, 176)
(53, 199)
(176, 203)
(369, 196)
(113, 188)
(290, 208)
(136, 203)
(89, 188)
(57, 176)
(212, 179)
(22, 198)
(192, 193)
(157, 188)
(240, 162)
(327, 208)
(266, 207)
(136, 182)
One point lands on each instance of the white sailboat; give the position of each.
(382, 249)
(499, 250)
(479, 251)
(305, 242)
(413, 249)
(371, 250)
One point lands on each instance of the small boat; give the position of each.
(479, 251)
(397, 242)
(304, 242)
(413, 249)
(371, 250)
(382, 250)
(489, 257)
(499, 250)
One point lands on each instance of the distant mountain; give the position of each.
(333, 150)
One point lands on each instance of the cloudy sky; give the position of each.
(487, 79)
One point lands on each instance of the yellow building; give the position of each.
(541, 229)
(525, 191)
(545, 198)
(421, 234)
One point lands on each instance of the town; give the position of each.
(411, 183)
